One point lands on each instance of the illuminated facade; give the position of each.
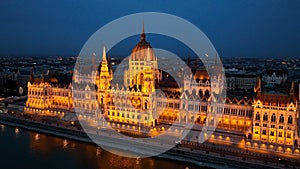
(275, 119)
(269, 118)
(46, 96)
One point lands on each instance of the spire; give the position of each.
(104, 54)
(292, 92)
(189, 61)
(292, 88)
(104, 65)
(43, 78)
(257, 89)
(143, 35)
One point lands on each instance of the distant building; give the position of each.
(241, 81)
(274, 77)
(6, 76)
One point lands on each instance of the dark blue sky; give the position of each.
(237, 28)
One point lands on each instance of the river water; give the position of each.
(22, 149)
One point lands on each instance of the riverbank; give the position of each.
(186, 154)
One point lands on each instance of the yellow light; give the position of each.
(37, 137)
(17, 131)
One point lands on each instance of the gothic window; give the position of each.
(265, 118)
(206, 93)
(279, 134)
(204, 108)
(226, 110)
(141, 78)
(201, 93)
(264, 132)
(190, 107)
(288, 135)
(281, 119)
(257, 116)
(272, 133)
(273, 118)
(290, 120)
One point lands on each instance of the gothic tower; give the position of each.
(105, 76)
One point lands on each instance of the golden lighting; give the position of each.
(65, 143)
(279, 148)
(37, 137)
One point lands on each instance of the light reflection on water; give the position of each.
(17, 131)
(34, 150)
(2, 127)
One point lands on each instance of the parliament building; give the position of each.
(266, 119)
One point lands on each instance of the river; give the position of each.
(24, 149)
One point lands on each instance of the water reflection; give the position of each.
(65, 144)
(17, 131)
(98, 151)
(2, 127)
(39, 149)
(37, 137)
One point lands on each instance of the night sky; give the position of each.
(237, 28)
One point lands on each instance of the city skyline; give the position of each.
(236, 29)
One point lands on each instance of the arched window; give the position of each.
(290, 120)
(257, 116)
(265, 118)
(141, 79)
(273, 118)
(200, 93)
(206, 93)
(281, 119)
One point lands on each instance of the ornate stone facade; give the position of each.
(269, 118)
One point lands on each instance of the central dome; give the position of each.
(142, 50)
